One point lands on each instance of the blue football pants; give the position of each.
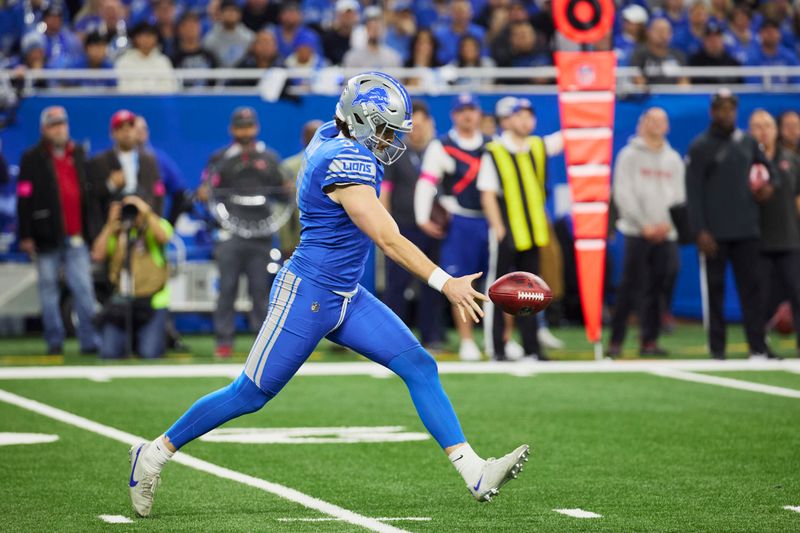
(300, 315)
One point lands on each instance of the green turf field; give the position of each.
(646, 452)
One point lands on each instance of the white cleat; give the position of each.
(469, 351)
(548, 340)
(497, 472)
(514, 352)
(142, 485)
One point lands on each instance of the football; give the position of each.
(521, 293)
(759, 177)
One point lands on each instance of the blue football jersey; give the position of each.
(332, 252)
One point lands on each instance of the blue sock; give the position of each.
(211, 411)
(418, 370)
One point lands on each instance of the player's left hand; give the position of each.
(461, 294)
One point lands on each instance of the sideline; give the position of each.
(204, 466)
(526, 368)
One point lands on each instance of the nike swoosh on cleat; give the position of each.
(458, 458)
(133, 482)
(478, 484)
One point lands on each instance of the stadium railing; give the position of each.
(443, 80)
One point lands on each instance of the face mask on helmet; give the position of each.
(385, 143)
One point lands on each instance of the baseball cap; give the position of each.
(504, 107)
(635, 14)
(724, 95)
(305, 39)
(243, 117)
(346, 5)
(53, 115)
(522, 103)
(95, 37)
(123, 116)
(55, 9)
(465, 100)
(402, 5)
(714, 27)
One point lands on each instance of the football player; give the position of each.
(317, 294)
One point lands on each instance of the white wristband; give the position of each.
(438, 278)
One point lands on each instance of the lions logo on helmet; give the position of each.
(376, 95)
(377, 110)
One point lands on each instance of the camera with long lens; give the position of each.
(127, 216)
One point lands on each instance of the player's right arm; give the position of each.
(365, 210)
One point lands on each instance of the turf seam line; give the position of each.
(105, 372)
(115, 519)
(276, 489)
(578, 513)
(727, 382)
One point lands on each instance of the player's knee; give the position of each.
(251, 396)
(415, 362)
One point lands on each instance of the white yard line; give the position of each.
(383, 519)
(523, 368)
(115, 519)
(578, 513)
(727, 382)
(795, 508)
(203, 466)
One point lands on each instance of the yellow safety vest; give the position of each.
(522, 176)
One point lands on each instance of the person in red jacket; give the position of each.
(55, 221)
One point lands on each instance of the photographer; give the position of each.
(133, 243)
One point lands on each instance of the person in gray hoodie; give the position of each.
(648, 180)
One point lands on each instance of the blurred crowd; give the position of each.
(158, 36)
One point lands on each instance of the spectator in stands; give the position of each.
(690, 39)
(713, 54)
(164, 16)
(422, 54)
(94, 58)
(397, 195)
(63, 47)
(33, 48)
(469, 56)
(375, 54)
(402, 26)
(87, 19)
(770, 52)
(124, 169)
(525, 52)
(656, 58)
(789, 127)
(542, 21)
(780, 220)
(500, 41)
(719, 11)
(460, 25)
(22, 18)
(336, 40)
(739, 37)
(229, 39)
(675, 12)
(724, 216)
(112, 24)
(648, 180)
(244, 167)
(291, 28)
(189, 52)
(289, 234)
(177, 197)
(305, 55)
(257, 14)
(634, 24)
(447, 203)
(492, 16)
(143, 68)
(263, 54)
(133, 246)
(56, 218)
